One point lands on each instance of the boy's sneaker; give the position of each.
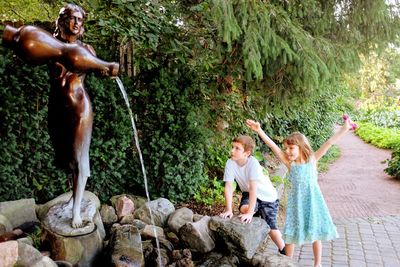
(283, 251)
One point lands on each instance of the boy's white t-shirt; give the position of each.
(251, 171)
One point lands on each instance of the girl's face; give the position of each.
(238, 154)
(292, 152)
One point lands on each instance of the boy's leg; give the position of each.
(289, 249)
(317, 251)
(269, 212)
(244, 208)
(276, 236)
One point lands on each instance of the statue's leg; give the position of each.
(83, 133)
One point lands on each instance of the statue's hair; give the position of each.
(65, 13)
(300, 140)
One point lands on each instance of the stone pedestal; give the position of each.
(79, 246)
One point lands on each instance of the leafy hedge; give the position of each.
(379, 136)
(171, 136)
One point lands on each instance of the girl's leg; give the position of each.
(317, 251)
(289, 248)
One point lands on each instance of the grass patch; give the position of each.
(331, 156)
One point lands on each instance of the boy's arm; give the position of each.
(339, 134)
(255, 126)
(246, 217)
(228, 192)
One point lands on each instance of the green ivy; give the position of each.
(393, 168)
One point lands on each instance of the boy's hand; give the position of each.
(255, 126)
(246, 217)
(226, 214)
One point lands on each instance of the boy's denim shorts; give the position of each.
(266, 210)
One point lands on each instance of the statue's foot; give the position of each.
(77, 222)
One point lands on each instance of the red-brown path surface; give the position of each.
(356, 185)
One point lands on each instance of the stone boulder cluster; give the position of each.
(132, 231)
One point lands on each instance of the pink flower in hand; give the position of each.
(352, 124)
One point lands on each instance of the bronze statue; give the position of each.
(70, 110)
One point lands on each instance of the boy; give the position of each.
(258, 194)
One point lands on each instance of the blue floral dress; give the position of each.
(307, 216)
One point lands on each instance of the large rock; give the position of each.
(29, 256)
(179, 218)
(41, 210)
(242, 239)
(152, 231)
(214, 259)
(124, 206)
(108, 215)
(8, 253)
(159, 209)
(269, 259)
(264, 258)
(19, 211)
(182, 258)
(197, 236)
(81, 250)
(126, 247)
(5, 225)
(138, 201)
(59, 218)
(80, 246)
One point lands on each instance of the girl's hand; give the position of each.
(255, 126)
(348, 123)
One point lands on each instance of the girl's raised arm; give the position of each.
(255, 126)
(331, 141)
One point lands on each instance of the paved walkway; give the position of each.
(365, 205)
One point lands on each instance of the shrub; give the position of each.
(387, 117)
(393, 168)
(379, 136)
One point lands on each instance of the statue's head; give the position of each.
(70, 21)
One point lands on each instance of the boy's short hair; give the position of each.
(246, 141)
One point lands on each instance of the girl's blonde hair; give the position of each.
(301, 141)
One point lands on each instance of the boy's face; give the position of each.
(237, 152)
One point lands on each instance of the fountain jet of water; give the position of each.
(125, 96)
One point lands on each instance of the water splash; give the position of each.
(125, 96)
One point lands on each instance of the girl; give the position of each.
(307, 216)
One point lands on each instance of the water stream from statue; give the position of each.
(125, 96)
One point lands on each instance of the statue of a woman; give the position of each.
(70, 110)
(70, 116)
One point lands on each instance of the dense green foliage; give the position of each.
(26, 152)
(381, 127)
(379, 136)
(393, 168)
(201, 68)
